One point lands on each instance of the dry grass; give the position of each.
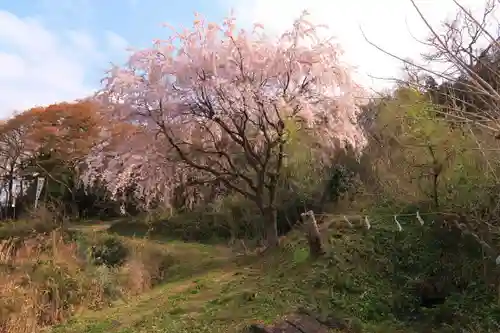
(45, 279)
(31, 301)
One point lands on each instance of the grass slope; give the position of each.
(368, 279)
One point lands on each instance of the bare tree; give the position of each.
(461, 76)
(463, 57)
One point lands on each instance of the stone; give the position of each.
(301, 322)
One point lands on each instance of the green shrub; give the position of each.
(24, 228)
(109, 251)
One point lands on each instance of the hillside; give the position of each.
(202, 185)
(372, 281)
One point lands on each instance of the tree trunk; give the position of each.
(10, 197)
(435, 194)
(271, 227)
(313, 236)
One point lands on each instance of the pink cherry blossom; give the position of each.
(213, 102)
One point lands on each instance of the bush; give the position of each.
(130, 227)
(109, 251)
(199, 225)
(24, 228)
(43, 285)
(234, 217)
(146, 267)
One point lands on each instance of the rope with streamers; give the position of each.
(420, 220)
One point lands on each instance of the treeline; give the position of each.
(239, 146)
(53, 143)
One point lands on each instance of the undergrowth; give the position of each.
(47, 278)
(420, 280)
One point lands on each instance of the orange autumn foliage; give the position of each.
(67, 131)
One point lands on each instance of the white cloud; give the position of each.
(388, 23)
(26, 35)
(115, 42)
(11, 66)
(82, 40)
(39, 66)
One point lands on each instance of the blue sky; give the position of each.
(58, 50)
(53, 50)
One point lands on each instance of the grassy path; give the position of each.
(210, 290)
(224, 296)
(366, 279)
(214, 291)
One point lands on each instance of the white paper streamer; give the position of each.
(348, 222)
(367, 223)
(400, 228)
(420, 219)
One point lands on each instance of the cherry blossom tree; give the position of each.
(218, 104)
(129, 157)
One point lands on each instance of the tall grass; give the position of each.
(46, 278)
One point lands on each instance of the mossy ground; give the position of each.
(367, 278)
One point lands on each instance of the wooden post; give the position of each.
(313, 236)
